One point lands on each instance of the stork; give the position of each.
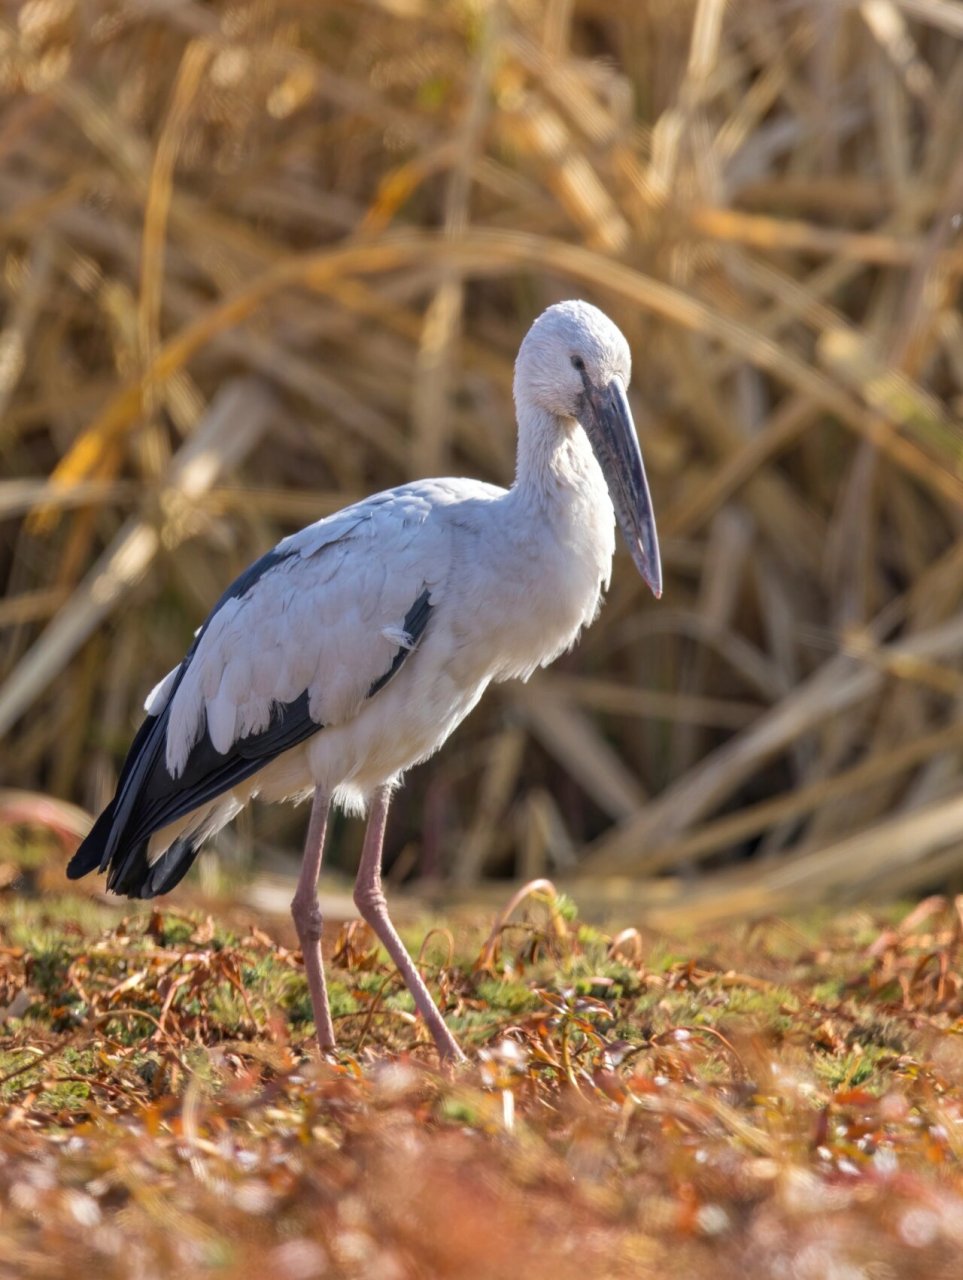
(352, 650)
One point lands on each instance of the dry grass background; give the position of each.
(259, 259)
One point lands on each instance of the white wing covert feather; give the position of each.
(326, 619)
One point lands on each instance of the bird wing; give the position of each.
(297, 642)
(321, 626)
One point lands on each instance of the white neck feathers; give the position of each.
(554, 459)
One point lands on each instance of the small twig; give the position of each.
(534, 888)
(439, 932)
(373, 1008)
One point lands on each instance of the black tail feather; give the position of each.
(132, 874)
(136, 877)
(90, 856)
(117, 843)
(171, 868)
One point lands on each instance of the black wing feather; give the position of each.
(416, 619)
(145, 758)
(148, 798)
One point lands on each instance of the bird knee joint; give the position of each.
(308, 919)
(370, 902)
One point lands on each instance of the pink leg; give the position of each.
(370, 900)
(306, 911)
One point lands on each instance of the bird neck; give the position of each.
(554, 459)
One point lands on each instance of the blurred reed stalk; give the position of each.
(261, 259)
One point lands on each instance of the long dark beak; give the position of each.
(607, 420)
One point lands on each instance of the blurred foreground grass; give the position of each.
(783, 1099)
(258, 259)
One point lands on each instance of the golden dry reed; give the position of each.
(259, 259)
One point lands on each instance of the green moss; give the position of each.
(68, 1095)
(37, 922)
(776, 1009)
(295, 1001)
(372, 982)
(340, 998)
(460, 1110)
(174, 931)
(617, 979)
(399, 999)
(660, 959)
(858, 1067)
(566, 908)
(48, 973)
(829, 990)
(227, 1010)
(506, 995)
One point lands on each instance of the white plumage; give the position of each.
(351, 652)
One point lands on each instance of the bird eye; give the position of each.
(578, 363)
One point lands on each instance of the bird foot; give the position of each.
(450, 1053)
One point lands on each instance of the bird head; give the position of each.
(575, 366)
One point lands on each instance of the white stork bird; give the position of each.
(352, 650)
